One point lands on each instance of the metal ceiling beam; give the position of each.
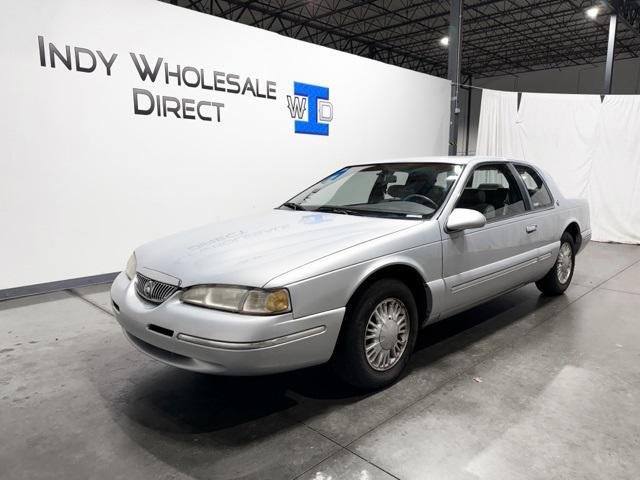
(603, 29)
(453, 71)
(501, 36)
(628, 11)
(339, 36)
(608, 69)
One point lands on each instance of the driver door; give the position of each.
(481, 263)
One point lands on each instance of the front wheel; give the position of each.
(378, 335)
(557, 280)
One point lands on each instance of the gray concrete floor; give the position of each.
(523, 387)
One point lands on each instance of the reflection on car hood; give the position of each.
(251, 251)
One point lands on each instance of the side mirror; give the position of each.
(465, 218)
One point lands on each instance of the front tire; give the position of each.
(557, 280)
(378, 335)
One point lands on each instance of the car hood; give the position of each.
(251, 251)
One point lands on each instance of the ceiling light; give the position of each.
(593, 12)
(444, 41)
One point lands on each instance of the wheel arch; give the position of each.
(405, 272)
(573, 228)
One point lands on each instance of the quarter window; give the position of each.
(540, 197)
(493, 191)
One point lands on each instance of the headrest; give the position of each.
(396, 191)
(471, 195)
(422, 176)
(489, 186)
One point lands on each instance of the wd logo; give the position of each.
(314, 100)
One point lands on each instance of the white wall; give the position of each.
(84, 180)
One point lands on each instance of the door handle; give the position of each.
(532, 228)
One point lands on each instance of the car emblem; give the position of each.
(148, 288)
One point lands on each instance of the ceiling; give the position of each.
(499, 37)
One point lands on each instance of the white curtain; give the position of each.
(587, 146)
(556, 133)
(497, 134)
(615, 175)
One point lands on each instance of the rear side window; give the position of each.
(540, 197)
(493, 191)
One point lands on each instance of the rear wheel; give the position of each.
(378, 335)
(556, 281)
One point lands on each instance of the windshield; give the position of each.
(408, 190)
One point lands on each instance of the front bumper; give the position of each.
(223, 343)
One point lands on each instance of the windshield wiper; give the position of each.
(341, 210)
(364, 212)
(293, 206)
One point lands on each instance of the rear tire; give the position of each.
(378, 335)
(557, 280)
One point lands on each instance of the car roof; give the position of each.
(457, 160)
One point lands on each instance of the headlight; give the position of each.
(239, 299)
(130, 270)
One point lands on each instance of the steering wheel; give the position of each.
(422, 197)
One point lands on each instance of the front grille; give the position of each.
(152, 290)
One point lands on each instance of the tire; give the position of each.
(556, 281)
(362, 328)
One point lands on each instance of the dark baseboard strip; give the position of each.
(56, 286)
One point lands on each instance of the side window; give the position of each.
(493, 191)
(540, 197)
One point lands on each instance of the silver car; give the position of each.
(351, 268)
